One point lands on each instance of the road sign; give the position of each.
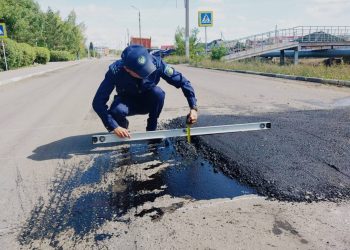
(162, 134)
(3, 33)
(205, 18)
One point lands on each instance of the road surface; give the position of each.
(59, 191)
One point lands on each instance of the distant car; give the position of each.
(161, 52)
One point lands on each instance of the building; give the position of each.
(102, 51)
(165, 47)
(145, 42)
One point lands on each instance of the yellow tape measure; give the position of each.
(188, 132)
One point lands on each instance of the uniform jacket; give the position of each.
(129, 87)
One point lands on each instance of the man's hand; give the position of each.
(192, 117)
(121, 132)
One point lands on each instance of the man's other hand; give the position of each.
(121, 132)
(192, 117)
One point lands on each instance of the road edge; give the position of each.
(19, 78)
(342, 83)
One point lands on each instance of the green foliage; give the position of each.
(12, 54)
(27, 23)
(59, 56)
(180, 41)
(218, 52)
(339, 72)
(28, 54)
(23, 20)
(196, 51)
(174, 59)
(28, 26)
(17, 54)
(42, 55)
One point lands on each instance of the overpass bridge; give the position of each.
(297, 39)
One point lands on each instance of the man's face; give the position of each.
(132, 73)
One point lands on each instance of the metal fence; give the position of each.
(300, 34)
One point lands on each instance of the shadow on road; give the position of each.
(66, 148)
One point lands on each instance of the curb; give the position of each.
(19, 78)
(342, 83)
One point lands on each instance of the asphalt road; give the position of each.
(56, 188)
(304, 157)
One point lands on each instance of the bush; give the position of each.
(17, 54)
(28, 54)
(12, 54)
(42, 55)
(218, 52)
(22, 54)
(59, 56)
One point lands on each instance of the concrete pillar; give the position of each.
(282, 57)
(296, 56)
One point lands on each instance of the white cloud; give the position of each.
(326, 9)
(210, 1)
(108, 21)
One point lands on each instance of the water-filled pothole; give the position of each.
(116, 186)
(193, 176)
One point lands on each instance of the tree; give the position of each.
(53, 30)
(195, 48)
(26, 23)
(92, 49)
(217, 52)
(23, 20)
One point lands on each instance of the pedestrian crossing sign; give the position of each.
(3, 30)
(205, 18)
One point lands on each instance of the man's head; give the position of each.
(137, 61)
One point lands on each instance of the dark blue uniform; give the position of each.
(137, 96)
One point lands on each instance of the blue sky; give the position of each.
(107, 21)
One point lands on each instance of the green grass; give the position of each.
(173, 59)
(338, 72)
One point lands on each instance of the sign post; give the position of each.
(187, 30)
(3, 34)
(205, 19)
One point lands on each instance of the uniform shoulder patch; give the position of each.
(169, 71)
(115, 67)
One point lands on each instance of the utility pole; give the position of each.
(276, 39)
(187, 31)
(3, 35)
(3, 49)
(206, 41)
(128, 41)
(140, 27)
(139, 22)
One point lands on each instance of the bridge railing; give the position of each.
(300, 34)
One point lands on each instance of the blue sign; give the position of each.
(205, 18)
(3, 30)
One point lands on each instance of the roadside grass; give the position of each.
(337, 72)
(307, 68)
(174, 59)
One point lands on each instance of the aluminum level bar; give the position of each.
(162, 134)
